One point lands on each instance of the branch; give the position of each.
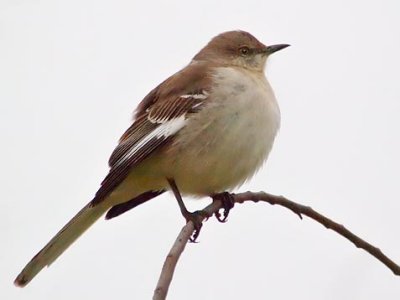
(167, 272)
(160, 293)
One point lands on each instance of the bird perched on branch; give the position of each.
(202, 132)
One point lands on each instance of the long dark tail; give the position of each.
(73, 230)
(60, 242)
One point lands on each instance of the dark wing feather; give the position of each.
(137, 131)
(174, 100)
(118, 173)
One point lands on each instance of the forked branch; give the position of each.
(172, 258)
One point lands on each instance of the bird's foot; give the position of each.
(228, 202)
(197, 218)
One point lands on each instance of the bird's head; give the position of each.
(238, 48)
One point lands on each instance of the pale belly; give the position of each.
(227, 149)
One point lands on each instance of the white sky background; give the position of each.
(71, 73)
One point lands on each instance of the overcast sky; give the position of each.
(71, 73)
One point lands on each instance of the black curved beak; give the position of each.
(274, 48)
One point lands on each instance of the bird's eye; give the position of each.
(244, 51)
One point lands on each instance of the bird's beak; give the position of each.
(274, 48)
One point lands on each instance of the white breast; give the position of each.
(225, 144)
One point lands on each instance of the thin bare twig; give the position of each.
(164, 281)
(171, 260)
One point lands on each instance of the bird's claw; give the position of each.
(228, 203)
(196, 218)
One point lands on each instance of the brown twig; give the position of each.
(164, 281)
(171, 260)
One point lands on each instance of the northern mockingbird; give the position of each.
(203, 131)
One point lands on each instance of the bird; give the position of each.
(202, 132)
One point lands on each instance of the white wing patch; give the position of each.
(162, 131)
(204, 94)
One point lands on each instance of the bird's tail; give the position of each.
(60, 242)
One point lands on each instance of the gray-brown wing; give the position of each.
(150, 131)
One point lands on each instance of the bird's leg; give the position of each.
(227, 204)
(195, 217)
